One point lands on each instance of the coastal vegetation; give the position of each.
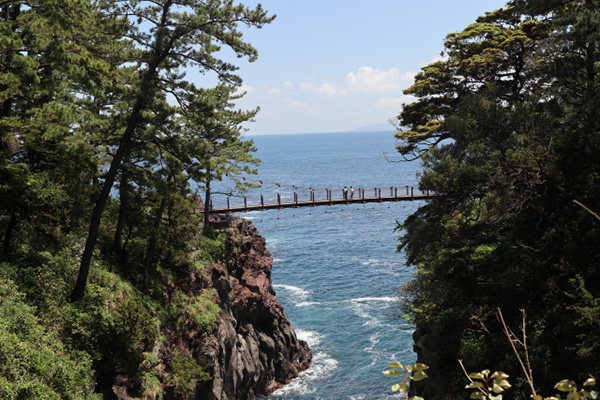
(104, 144)
(507, 126)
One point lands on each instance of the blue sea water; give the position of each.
(336, 268)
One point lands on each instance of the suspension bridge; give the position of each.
(312, 199)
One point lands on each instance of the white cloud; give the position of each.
(365, 80)
(325, 88)
(369, 79)
(299, 106)
(244, 90)
(328, 89)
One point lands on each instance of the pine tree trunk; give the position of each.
(153, 238)
(124, 199)
(94, 227)
(134, 119)
(207, 204)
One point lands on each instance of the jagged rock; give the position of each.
(255, 350)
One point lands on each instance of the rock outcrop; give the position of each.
(255, 349)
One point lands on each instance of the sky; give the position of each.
(341, 65)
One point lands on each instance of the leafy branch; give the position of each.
(407, 373)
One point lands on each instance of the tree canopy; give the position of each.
(101, 127)
(508, 131)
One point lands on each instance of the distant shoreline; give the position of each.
(390, 131)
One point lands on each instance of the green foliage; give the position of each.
(195, 315)
(33, 363)
(574, 392)
(185, 374)
(212, 246)
(507, 129)
(486, 386)
(407, 373)
(86, 101)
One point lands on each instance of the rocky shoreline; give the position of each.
(255, 349)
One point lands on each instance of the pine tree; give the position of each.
(508, 133)
(181, 34)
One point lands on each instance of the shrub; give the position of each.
(33, 363)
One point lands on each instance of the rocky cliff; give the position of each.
(255, 349)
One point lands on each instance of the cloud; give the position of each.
(244, 89)
(299, 106)
(369, 79)
(325, 88)
(328, 89)
(365, 80)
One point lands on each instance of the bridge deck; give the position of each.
(314, 203)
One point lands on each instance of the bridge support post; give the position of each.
(380, 195)
(245, 204)
(396, 194)
(362, 195)
(227, 203)
(412, 195)
(407, 190)
(296, 199)
(279, 200)
(262, 202)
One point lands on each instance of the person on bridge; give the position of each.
(351, 192)
(345, 193)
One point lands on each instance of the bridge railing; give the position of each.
(279, 199)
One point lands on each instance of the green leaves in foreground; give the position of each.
(486, 386)
(409, 372)
(574, 392)
(490, 387)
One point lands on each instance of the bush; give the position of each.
(33, 363)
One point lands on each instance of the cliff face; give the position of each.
(255, 349)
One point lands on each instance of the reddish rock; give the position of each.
(255, 350)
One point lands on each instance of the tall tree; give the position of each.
(175, 34)
(52, 66)
(214, 136)
(507, 134)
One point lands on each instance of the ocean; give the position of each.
(336, 268)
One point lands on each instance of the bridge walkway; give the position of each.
(322, 202)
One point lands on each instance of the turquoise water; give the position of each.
(336, 268)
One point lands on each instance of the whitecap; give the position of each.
(374, 340)
(307, 303)
(386, 299)
(297, 293)
(312, 338)
(322, 366)
(370, 261)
